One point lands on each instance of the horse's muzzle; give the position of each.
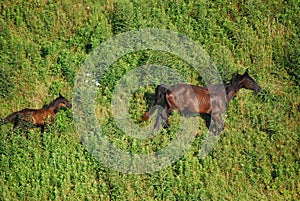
(257, 89)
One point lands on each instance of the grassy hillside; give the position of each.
(43, 45)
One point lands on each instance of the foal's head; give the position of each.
(245, 81)
(63, 102)
(58, 103)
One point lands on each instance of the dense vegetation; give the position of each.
(43, 45)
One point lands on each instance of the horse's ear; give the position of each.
(60, 94)
(246, 72)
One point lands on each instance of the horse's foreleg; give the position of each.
(217, 118)
(42, 128)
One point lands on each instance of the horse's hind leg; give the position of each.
(165, 115)
(162, 117)
(15, 127)
(158, 122)
(16, 124)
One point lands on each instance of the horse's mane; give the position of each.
(53, 103)
(46, 106)
(233, 84)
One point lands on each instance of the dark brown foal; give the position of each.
(37, 117)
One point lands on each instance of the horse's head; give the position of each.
(63, 102)
(249, 83)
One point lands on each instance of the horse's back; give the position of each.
(24, 114)
(27, 111)
(191, 97)
(35, 115)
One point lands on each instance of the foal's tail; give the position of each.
(10, 118)
(160, 92)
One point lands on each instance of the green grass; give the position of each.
(43, 45)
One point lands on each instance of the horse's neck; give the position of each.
(231, 91)
(230, 95)
(53, 108)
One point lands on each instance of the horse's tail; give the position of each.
(10, 118)
(160, 92)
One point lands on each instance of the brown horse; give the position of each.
(197, 99)
(37, 117)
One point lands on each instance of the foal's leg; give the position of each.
(16, 122)
(16, 125)
(42, 128)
